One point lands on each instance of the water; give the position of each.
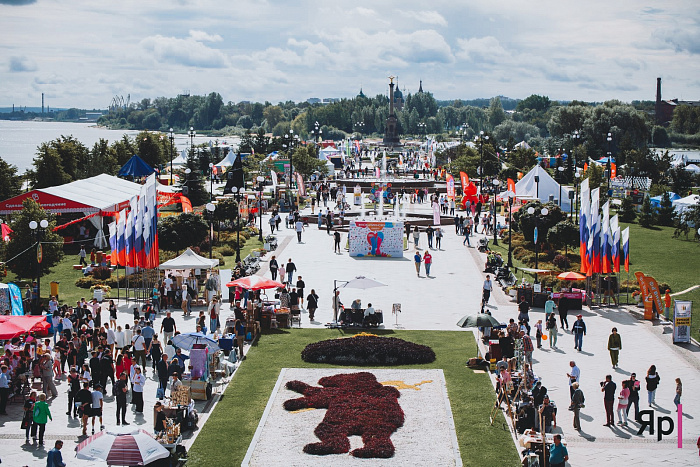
(19, 140)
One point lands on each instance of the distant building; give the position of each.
(313, 100)
(663, 110)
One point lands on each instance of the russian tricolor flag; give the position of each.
(584, 218)
(625, 252)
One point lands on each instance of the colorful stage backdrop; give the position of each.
(384, 239)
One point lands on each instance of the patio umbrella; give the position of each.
(571, 276)
(482, 320)
(189, 340)
(255, 283)
(135, 447)
(361, 282)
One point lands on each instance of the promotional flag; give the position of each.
(121, 238)
(130, 234)
(626, 248)
(450, 186)
(300, 184)
(436, 214)
(139, 228)
(150, 224)
(584, 219)
(376, 172)
(613, 170)
(594, 230)
(273, 177)
(511, 187)
(113, 242)
(605, 240)
(464, 178)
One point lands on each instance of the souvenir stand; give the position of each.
(197, 380)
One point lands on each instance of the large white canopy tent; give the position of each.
(682, 204)
(527, 188)
(189, 260)
(98, 194)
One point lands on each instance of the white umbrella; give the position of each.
(362, 282)
(132, 447)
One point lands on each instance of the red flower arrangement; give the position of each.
(367, 350)
(357, 404)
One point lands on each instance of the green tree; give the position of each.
(595, 175)
(48, 168)
(150, 148)
(496, 113)
(646, 216)
(273, 115)
(305, 163)
(10, 182)
(175, 233)
(193, 183)
(665, 214)
(21, 262)
(563, 234)
(534, 102)
(681, 180)
(627, 213)
(688, 220)
(526, 221)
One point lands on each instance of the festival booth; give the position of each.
(135, 168)
(187, 262)
(656, 200)
(376, 238)
(13, 326)
(11, 299)
(682, 204)
(528, 188)
(95, 196)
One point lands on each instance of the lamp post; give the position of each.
(543, 212)
(211, 181)
(463, 132)
(537, 185)
(577, 175)
(186, 189)
(192, 134)
(360, 126)
(38, 230)
(421, 128)
(172, 140)
(607, 174)
(495, 182)
(560, 171)
(481, 139)
(260, 180)
(316, 132)
(237, 195)
(510, 229)
(210, 215)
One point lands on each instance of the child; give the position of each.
(679, 392)
(538, 333)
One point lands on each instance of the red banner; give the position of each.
(464, 178)
(511, 186)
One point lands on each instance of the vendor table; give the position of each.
(524, 292)
(571, 300)
(538, 300)
(201, 390)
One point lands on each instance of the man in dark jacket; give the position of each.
(608, 387)
(95, 368)
(633, 385)
(579, 330)
(122, 387)
(162, 371)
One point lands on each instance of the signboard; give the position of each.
(681, 321)
(380, 238)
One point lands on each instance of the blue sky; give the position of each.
(82, 53)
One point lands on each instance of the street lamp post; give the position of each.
(495, 182)
(172, 140)
(510, 229)
(211, 181)
(360, 126)
(481, 139)
(192, 134)
(237, 195)
(421, 128)
(38, 230)
(186, 190)
(543, 212)
(260, 179)
(577, 175)
(537, 185)
(210, 215)
(560, 170)
(607, 175)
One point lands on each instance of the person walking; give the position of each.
(121, 390)
(486, 290)
(96, 406)
(299, 227)
(47, 375)
(652, 379)
(139, 344)
(558, 455)
(679, 393)
(162, 372)
(563, 314)
(416, 237)
(574, 377)
(336, 242)
(429, 233)
(41, 416)
(667, 305)
(428, 261)
(290, 269)
(579, 330)
(312, 304)
(168, 327)
(438, 238)
(214, 310)
(633, 385)
(577, 400)
(4, 389)
(608, 387)
(417, 260)
(274, 266)
(467, 231)
(622, 403)
(614, 347)
(138, 380)
(54, 457)
(28, 417)
(548, 307)
(527, 347)
(538, 333)
(552, 331)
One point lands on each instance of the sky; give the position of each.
(83, 53)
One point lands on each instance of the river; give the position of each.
(19, 139)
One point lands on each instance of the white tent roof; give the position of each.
(102, 192)
(523, 145)
(682, 204)
(692, 168)
(527, 188)
(228, 160)
(181, 159)
(190, 260)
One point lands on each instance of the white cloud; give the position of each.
(482, 49)
(187, 52)
(202, 36)
(20, 64)
(427, 17)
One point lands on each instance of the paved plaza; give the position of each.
(436, 303)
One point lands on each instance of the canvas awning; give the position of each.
(135, 167)
(13, 326)
(190, 260)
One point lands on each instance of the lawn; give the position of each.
(227, 434)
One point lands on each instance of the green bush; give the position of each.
(102, 273)
(226, 250)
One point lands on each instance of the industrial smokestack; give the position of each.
(658, 89)
(42, 102)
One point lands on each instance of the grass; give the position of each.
(227, 434)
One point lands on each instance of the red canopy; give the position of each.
(13, 326)
(255, 283)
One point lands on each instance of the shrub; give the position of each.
(367, 350)
(226, 250)
(86, 282)
(102, 273)
(561, 262)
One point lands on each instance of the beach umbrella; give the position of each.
(571, 276)
(255, 283)
(133, 447)
(188, 340)
(362, 282)
(482, 320)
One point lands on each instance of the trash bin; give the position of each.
(98, 294)
(54, 288)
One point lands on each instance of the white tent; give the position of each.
(692, 168)
(527, 188)
(227, 161)
(682, 204)
(180, 160)
(327, 153)
(190, 260)
(522, 145)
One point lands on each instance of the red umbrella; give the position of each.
(571, 276)
(126, 447)
(255, 283)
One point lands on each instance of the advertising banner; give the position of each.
(381, 239)
(681, 321)
(450, 186)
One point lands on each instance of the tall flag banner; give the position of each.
(605, 240)
(138, 228)
(300, 184)
(121, 238)
(129, 233)
(150, 223)
(615, 245)
(584, 219)
(273, 177)
(113, 242)
(511, 187)
(436, 214)
(376, 172)
(450, 186)
(626, 248)
(594, 231)
(613, 170)
(464, 178)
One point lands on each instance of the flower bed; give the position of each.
(367, 349)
